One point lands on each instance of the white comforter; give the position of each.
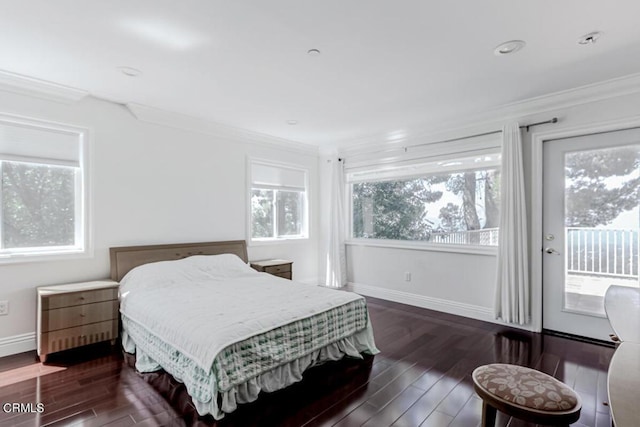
(202, 304)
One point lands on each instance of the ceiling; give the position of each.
(386, 68)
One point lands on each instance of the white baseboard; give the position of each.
(17, 344)
(446, 306)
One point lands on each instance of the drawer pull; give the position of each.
(83, 315)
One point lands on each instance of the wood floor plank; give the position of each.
(603, 420)
(437, 419)
(602, 395)
(427, 403)
(470, 415)
(358, 416)
(456, 399)
(382, 389)
(394, 409)
(428, 379)
(395, 387)
(588, 412)
(548, 363)
(125, 421)
(75, 418)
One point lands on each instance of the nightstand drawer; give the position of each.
(276, 269)
(79, 298)
(78, 315)
(286, 275)
(79, 336)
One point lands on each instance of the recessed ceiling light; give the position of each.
(511, 46)
(590, 38)
(292, 122)
(313, 52)
(130, 71)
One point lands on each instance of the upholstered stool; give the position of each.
(526, 394)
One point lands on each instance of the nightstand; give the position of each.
(75, 315)
(277, 267)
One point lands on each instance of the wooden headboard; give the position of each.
(126, 258)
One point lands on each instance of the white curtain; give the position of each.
(336, 275)
(512, 288)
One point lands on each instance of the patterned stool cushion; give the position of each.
(530, 389)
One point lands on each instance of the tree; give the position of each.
(399, 209)
(479, 191)
(289, 212)
(393, 209)
(38, 205)
(601, 185)
(464, 184)
(491, 180)
(262, 213)
(451, 218)
(288, 206)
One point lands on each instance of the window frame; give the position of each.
(458, 150)
(83, 237)
(251, 241)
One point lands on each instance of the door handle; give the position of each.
(551, 251)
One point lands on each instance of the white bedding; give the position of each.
(179, 301)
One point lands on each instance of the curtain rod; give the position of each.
(530, 125)
(553, 120)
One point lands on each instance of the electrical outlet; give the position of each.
(407, 276)
(4, 308)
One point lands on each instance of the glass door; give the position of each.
(591, 219)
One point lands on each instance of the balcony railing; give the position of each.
(590, 251)
(602, 252)
(484, 237)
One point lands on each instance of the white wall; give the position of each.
(149, 184)
(445, 281)
(464, 283)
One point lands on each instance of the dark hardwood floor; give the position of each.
(421, 377)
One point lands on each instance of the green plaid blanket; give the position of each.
(251, 357)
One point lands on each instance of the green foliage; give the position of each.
(395, 209)
(451, 218)
(262, 213)
(601, 184)
(469, 185)
(465, 184)
(491, 180)
(38, 205)
(289, 204)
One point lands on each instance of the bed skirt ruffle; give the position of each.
(153, 355)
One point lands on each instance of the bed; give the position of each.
(227, 332)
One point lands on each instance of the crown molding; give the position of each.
(195, 124)
(599, 91)
(29, 86)
(493, 118)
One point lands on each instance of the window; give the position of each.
(42, 188)
(278, 202)
(451, 201)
